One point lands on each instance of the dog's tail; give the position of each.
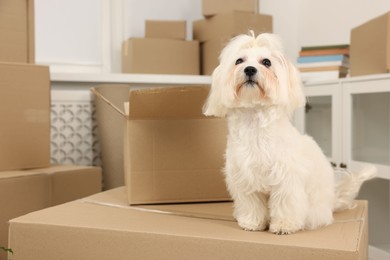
(347, 185)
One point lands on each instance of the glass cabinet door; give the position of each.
(318, 121)
(367, 124)
(371, 128)
(322, 117)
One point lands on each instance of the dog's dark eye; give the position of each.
(266, 62)
(239, 61)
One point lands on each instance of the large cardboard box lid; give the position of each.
(17, 31)
(228, 25)
(181, 231)
(371, 42)
(24, 116)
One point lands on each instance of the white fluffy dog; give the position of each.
(278, 178)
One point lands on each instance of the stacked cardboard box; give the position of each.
(163, 51)
(22, 192)
(103, 226)
(224, 20)
(27, 180)
(17, 31)
(370, 42)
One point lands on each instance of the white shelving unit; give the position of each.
(136, 79)
(350, 119)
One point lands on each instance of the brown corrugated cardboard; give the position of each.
(111, 125)
(370, 42)
(104, 227)
(71, 182)
(172, 153)
(160, 56)
(17, 31)
(166, 29)
(227, 25)
(21, 192)
(24, 116)
(210, 52)
(213, 7)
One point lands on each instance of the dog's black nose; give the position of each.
(250, 71)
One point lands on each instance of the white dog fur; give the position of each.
(278, 178)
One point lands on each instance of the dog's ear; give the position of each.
(295, 96)
(214, 104)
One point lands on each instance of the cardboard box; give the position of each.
(24, 116)
(228, 25)
(213, 7)
(166, 29)
(111, 124)
(21, 192)
(104, 227)
(17, 31)
(370, 42)
(172, 152)
(71, 182)
(160, 56)
(210, 52)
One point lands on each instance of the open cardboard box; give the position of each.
(104, 226)
(172, 152)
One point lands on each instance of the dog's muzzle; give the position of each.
(250, 72)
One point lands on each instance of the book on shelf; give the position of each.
(324, 68)
(325, 50)
(341, 63)
(323, 75)
(323, 58)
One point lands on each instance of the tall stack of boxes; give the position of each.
(27, 180)
(224, 20)
(164, 50)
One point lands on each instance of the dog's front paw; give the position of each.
(283, 227)
(252, 225)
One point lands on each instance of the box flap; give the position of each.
(168, 103)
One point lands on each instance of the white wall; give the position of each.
(319, 22)
(68, 33)
(79, 34)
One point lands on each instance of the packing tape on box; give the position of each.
(157, 211)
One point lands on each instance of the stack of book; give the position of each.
(323, 62)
